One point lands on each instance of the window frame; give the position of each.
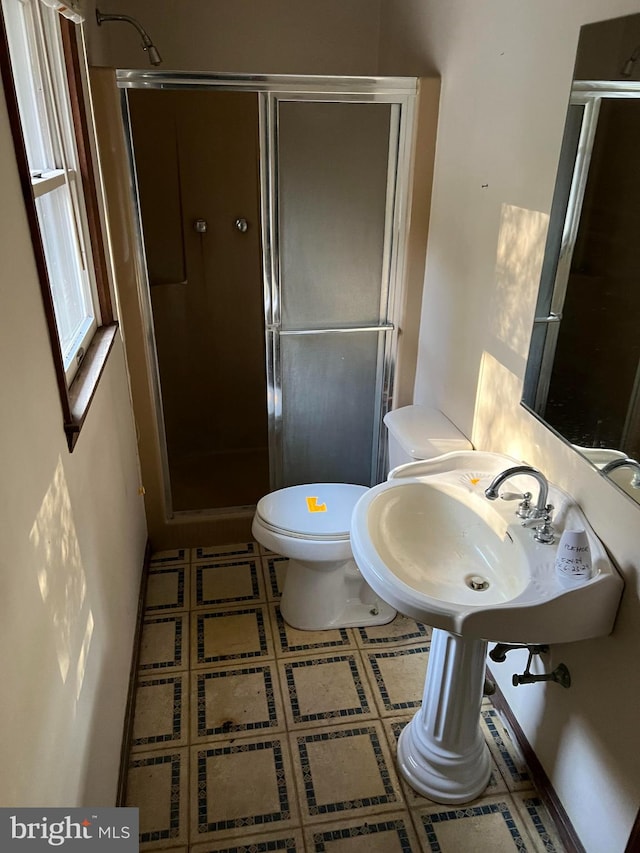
(75, 395)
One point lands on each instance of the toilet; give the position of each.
(323, 587)
(309, 524)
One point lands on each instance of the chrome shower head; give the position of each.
(147, 44)
(627, 69)
(154, 56)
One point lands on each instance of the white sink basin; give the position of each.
(438, 547)
(430, 544)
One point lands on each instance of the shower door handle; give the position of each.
(384, 327)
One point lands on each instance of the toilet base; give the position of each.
(355, 614)
(321, 596)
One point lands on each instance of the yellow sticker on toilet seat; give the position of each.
(314, 506)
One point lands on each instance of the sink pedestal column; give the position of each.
(441, 752)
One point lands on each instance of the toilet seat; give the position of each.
(316, 511)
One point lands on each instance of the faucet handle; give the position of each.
(543, 529)
(524, 508)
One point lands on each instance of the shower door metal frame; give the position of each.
(401, 99)
(270, 90)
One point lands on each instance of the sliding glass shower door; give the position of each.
(330, 333)
(272, 213)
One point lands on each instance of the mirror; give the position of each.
(583, 371)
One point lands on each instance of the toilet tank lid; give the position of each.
(316, 510)
(423, 432)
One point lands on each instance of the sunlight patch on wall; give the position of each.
(62, 580)
(521, 243)
(496, 425)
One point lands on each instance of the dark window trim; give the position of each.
(76, 398)
(85, 382)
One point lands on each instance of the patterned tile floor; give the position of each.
(251, 736)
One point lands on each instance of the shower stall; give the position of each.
(272, 215)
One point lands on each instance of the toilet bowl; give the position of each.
(323, 587)
(310, 524)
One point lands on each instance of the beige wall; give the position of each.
(73, 539)
(275, 37)
(506, 71)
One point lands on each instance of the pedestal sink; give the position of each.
(430, 544)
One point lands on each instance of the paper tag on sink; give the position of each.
(573, 560)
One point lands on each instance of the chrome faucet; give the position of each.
(541, 507)
(624, 463)
(541, 512)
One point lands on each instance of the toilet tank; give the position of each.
(421, 432)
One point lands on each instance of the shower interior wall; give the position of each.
(197, 165)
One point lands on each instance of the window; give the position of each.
(43, 82)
